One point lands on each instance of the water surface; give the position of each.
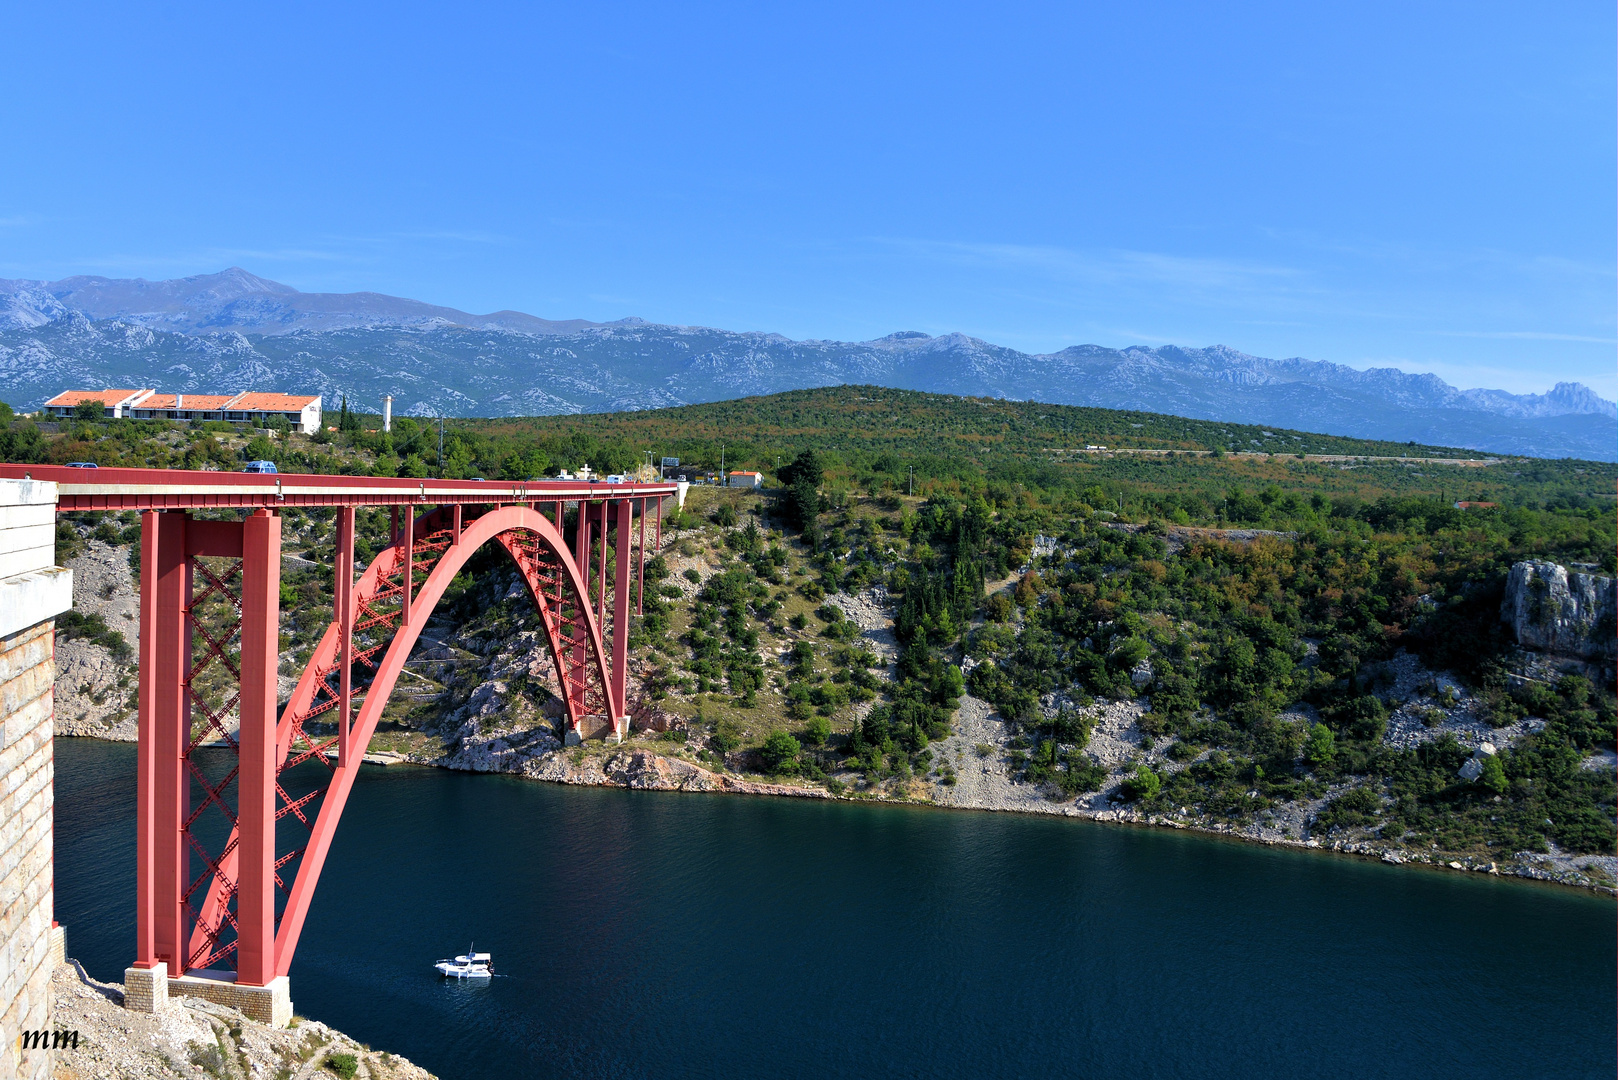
(650, 934)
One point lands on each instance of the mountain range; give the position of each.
(235, 331)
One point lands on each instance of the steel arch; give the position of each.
(574, 636)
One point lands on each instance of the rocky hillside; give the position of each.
(764, 667)
(233, 331)
(1565, 613)
(201, 1040)
(95, 662)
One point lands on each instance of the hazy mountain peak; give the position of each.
(235, 299)
(234, 330)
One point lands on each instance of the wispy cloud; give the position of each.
(321, 250)
(474, 237)
(1107, 266)
(208, 260)
(1523, 335)
(1430, 259)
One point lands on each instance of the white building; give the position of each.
(302, 412)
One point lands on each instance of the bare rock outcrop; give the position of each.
(95, 690)
(652, 772)
(1570, 613)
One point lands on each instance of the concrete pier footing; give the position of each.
(149, 990)
(56, 945)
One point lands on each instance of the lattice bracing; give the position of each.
(212, 687)
(384, 630)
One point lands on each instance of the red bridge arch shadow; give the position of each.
(231, 831)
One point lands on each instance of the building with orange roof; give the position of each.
(113, 402)
(301, 411)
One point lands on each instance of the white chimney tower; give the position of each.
(387, 413)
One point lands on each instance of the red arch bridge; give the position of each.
(228, 859)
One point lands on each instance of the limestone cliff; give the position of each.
(1554, 610)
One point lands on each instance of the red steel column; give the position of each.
(456, 515)
(640, 562)
(408, 539)
(620, 618)
(343, 601)
(171, 736)
(581, 558)
(255, 803)
(145, 747)
(601, 572)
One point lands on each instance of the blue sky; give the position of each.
(1429, 187)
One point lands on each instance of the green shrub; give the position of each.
(1321, 746)
(1494, 775)
(344, 1065)
(727, 736)
(69, 544)
(817, 730)
(1354, 808)
(1143, 783)
(72, 624)
(1081, 774)
(780, 753)
(1183, 751)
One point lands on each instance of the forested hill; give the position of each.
(1303, 649)
(874, 438)
(878, 418)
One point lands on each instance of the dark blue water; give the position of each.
(658, 935)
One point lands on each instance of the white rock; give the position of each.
(1550, 609)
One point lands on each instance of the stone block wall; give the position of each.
(31, 596)
(270, 1004)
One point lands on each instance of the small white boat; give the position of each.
(468, 965)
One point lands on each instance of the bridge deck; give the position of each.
(181, 489)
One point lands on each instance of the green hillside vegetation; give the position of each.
(871, 440)
(1136, 591)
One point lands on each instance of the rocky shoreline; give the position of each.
(644, 769)
(490, 727)
(196, 1038)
